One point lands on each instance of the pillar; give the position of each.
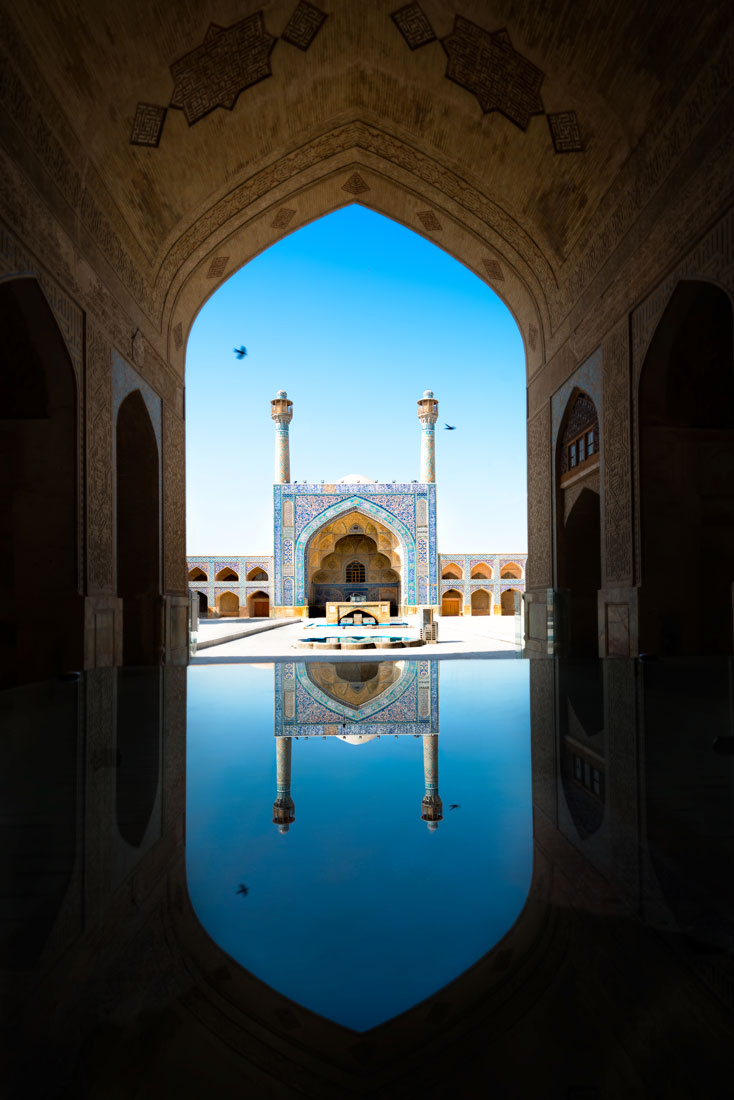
(431, 806)
(284, 809)
(281, 410)
(428, 415)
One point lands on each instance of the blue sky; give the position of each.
(355, 316)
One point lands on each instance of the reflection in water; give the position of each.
(618, 972)
(358, 911)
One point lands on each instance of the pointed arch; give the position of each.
(370, 511)
(452, 572)
(227, 574)
(481, 570)
(481, 601)
(39, 505)
(138, 531)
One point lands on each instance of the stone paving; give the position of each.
(490, 637)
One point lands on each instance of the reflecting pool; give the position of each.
(358, 833)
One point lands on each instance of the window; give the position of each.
(355, 572)
(582, 448)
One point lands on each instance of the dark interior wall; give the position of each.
(41, 607)
(686, 418)
(138, 536)
(579, 573)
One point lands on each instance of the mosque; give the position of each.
(360, 539)
(577, 157)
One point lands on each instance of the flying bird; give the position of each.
(242, 889)
(240, 352)
(449, 427)
(454, 806)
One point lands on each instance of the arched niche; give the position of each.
(481, 571)
(511, 571)
(578, 523)
(507, 601)
(257, 573)
(197, 574)
(226, 574)
(452, 572)
(137, 529)
(39, 533)
(481, 602)
(228, 604)
(686, 448)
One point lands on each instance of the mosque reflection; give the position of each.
(356, 702)
(108, 972)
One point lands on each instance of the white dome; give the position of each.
(355, 479)
(355, 739)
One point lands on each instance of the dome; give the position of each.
(428, 393)
(281, 393)
(355, 479)
(355, 739)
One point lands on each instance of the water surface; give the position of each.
(359, 908)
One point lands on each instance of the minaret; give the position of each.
(431, 806)
(281, 410)
(428, 415)
(284, 809)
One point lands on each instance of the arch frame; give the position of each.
(400, 180)
(370, 510)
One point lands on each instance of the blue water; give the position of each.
(359, 911)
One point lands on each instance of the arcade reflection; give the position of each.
(618, 973)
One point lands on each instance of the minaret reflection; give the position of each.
(284, 809)
(431, 806)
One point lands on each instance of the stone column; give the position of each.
(431, 806)
(281, 410)
(428, 415)
(284, 809)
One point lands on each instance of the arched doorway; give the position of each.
(138, 540)
(228, 604)
(353, 554)
(258, 605)
(197, 574)
(481, 602)
(508, 600)
(686, 440)
(451, 602)
(579, 523)
(203, 605)
(39, 635)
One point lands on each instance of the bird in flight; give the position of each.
(240, 352)
(242, 889)
(449, 427)
(454, 806)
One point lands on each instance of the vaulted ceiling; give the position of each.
(170, 105)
